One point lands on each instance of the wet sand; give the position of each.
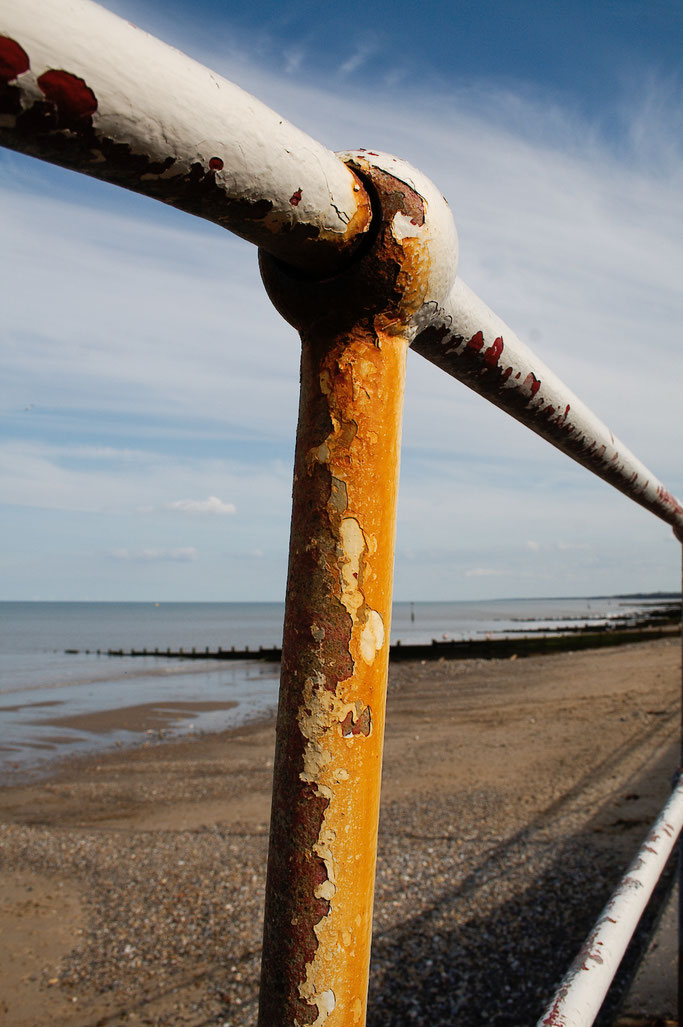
(141, 718)
(515, 792)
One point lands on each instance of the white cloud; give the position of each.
(484, 572)
(293, 57)
(357, 59)
(150, 555)
(212, 505)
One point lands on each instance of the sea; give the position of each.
(51, 672)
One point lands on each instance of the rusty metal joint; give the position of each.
(402, 270)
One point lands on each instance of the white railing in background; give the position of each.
(578, 999)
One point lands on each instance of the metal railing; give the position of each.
(359, 252)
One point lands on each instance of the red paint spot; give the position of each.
(533, 382)
(507, 372)
(493, 353)
(371, 154)
(518, 375)
(566, 411)
(295, 200)
(13, 59)
(476, 342)
(70, 95)
(216, 164)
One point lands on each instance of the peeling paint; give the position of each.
(583, 989)
(355, 330)
(467, 340)
(13, 59)
(73, 98)
(84, 89)
(372, 636)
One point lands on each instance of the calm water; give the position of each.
(39, 681)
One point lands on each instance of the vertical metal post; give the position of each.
(355, 330)
(334, 673)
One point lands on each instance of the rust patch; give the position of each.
(13, 59)
(358, 724)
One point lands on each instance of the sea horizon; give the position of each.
(52, 678)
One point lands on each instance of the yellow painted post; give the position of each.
(355, 330)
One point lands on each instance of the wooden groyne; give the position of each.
(448, 649)
(271, 655)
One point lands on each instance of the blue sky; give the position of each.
(149, 390)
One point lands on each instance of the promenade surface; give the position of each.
(652, 998)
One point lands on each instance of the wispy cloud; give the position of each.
(293, 57)
(212, 505)
(484, 572)
(357, 59)
(182, 554)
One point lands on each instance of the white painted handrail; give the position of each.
(577, 1001)
(467, 340)
(96, 94)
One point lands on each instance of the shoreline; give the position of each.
(515, 792)
(90, 733)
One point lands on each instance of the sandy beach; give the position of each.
(515, 793)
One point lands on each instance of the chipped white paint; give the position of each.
(534, 395)
(161, 104)
(353, 543)
(318, 710)
(372, 636)
(324, 1000)
(579, 997)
